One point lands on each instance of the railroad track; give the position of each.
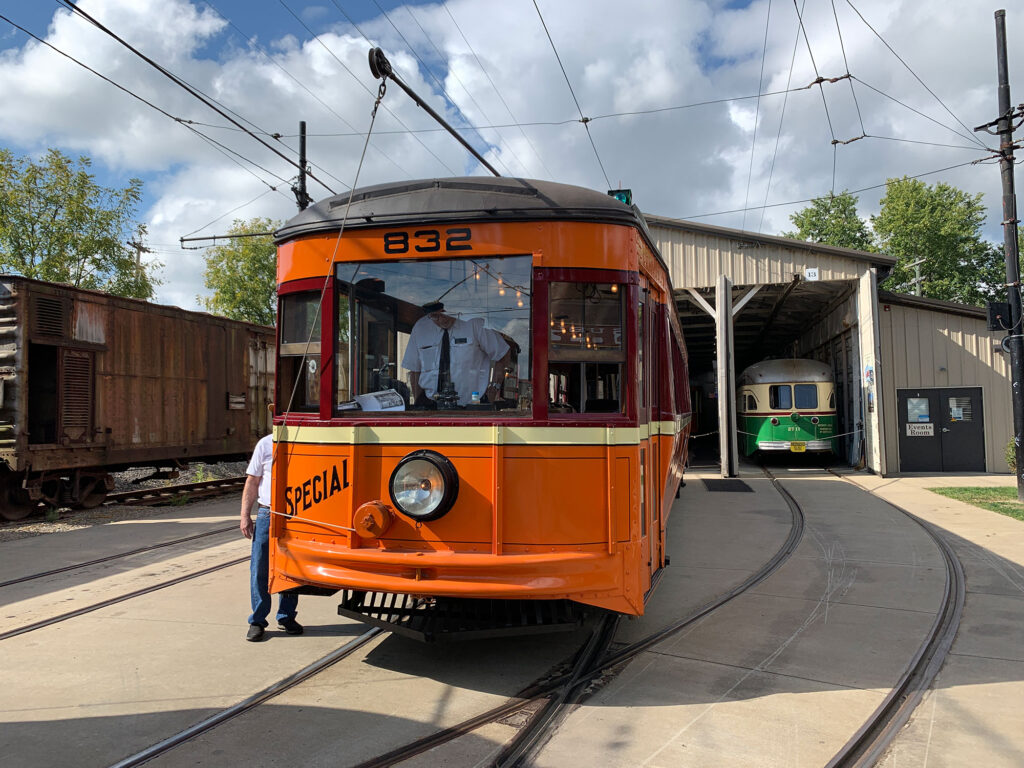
(118, 599)
(547, 701)
(118, 556)
(175, 494)
(877, 733)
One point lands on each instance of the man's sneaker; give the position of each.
(255, 633)
(290, 626)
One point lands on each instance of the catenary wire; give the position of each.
(842, 47)
(778, 135)
(447, 96)
(880, 92)
(824, 101)
(469, 93)
(757, 112)
(852, 191)
(236, 208)
(342, 64)
(495, 87)
(970, 134)
(303, 86)
(187, 124)
(76, 10)
(583, 119)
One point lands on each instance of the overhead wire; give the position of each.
(970, 134)
(495, 87)
(778, 135)
(444, 92)
(236, 208)
(757, 112)
(361, 83)
(583, 119)
(212, 104)
(846, 63)
(187, 124)
(918, 112)
(303, 86)
(483, 112)
(824, 101)
(852, 191)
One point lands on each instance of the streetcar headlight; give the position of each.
(424, 485)
(775, 422)
(814, 419)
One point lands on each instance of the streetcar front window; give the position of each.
(805, 396)
(299, 352)
(447, 336)
(780, 397)
(586, 348)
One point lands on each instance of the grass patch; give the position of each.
(1001, 500)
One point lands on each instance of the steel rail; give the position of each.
(877, 733)
(531, 738)
(204, 726)
(539, 691)
(169, 493)
(119, 599)
(109, 558)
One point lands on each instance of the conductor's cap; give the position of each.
(433, 306)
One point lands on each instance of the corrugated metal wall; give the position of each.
(925, 348)
(696, 259)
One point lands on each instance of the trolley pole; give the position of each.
(1004, 125)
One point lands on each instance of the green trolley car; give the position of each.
(786, 405)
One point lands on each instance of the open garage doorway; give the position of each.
(813, 319)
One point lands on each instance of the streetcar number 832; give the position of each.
(429, 240)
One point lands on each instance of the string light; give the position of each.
(615, 287)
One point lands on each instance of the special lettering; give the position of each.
(316, 489)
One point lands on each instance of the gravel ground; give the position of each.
(55, 521)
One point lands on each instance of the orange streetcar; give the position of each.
(482, 396)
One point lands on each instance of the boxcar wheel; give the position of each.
(95, 495)
(15, 503)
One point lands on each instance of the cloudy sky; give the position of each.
(701, 108)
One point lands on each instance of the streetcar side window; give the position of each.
(805, 396)
(586, 347)
(780, 397)
(299, 352)
(831, 401)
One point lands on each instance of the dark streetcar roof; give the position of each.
(470, 198)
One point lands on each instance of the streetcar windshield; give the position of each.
(806, 396)
(447, 336)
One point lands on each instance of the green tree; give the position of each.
(58, 224)
(832, 220)
(243, 274)
(941, 226)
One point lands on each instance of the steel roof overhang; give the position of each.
(881, 261)
(461, 199)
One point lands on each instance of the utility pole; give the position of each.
(301, 196)
(1005, 125)
(139, 250)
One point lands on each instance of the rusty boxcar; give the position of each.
(91, 383)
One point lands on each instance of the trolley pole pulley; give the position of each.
(381, 69)
(1004, 129)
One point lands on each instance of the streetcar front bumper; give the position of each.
(786, 445)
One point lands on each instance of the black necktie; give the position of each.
(444, 368)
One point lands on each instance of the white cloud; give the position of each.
(619, 57)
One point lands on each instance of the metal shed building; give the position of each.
(743, 296)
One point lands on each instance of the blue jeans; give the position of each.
(259, 576)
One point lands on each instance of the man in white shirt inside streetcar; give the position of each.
(474, 357)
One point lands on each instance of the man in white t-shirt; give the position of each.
(476, 357)
(257, 490)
